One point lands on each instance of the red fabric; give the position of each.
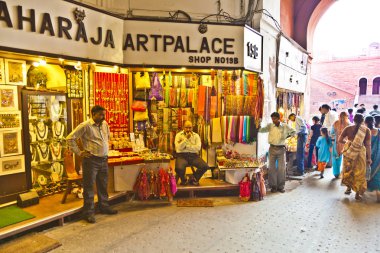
(202, 100)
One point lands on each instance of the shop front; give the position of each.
(292, 78)
(55, 64)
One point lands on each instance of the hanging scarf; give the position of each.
(155, 92)
(202, 100)
(183, 98)
(245, 85)
(216, 130)
(252, 129)
(190, 97)
(241, 128)
(166, 116)
(245, 130)
(248, 129)
(230, 123)
(224, 128)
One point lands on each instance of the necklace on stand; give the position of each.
(41, 130)
(58, 129)
(33, 152)
(44, 151)
(56, 109)
(56, 149)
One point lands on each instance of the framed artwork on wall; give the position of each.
(2, 71)
(12, 164)
(15, 72)
(10, 120)
(8, 98)
(10, 143)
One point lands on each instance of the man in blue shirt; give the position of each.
(301, 131)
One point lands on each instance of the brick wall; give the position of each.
(342, 77)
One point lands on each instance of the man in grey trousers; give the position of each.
(94, 134)
(278, 132)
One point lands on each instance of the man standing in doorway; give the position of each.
(301, 131)
(278, 132)
(94, 134)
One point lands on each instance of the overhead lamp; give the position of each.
(42, 62)
(36, 64)
(183, 68)
(78, 66)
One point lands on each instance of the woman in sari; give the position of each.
(374, 180)
(336, 131)
(356, 156)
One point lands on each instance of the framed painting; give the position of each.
(8, 98)
(12, 165)
(15, 72)
(10, 143)
(2, 71)
(10, 120)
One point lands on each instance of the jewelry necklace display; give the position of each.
(56, 149)
(56, 109)
(58, 129)
(43, 150)
(33, 152)
(42, 130)
(57, 168)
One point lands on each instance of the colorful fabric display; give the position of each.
(233, 129)
(140, 116)
(183, 97)
(166, 116)
(245, 85)
(202, 100)
(229, 99)
(174, 119)
(142, 80)
(219, 78)
(190, 97)
(173, 97)
(213, 106)
(238, 90)
(239, 105)
(245, 130)
(234, 105)
(216, 130)
(194, 81)
(156, 90)
(241, 128)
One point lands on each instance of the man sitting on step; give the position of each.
(188, 145)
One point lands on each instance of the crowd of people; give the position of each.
(349, 142)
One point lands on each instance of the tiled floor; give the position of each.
(314, 217)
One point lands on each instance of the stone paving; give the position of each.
(316, 216)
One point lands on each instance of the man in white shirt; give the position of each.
(278, 133)
(187, 146)
(330, 116)
(94, 134)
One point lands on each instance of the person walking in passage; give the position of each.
(324, 145)
(301, 131)
(278, 132)
(374, 180)
(315, 132)
(94, 134)
(187, 146)
(336, 131)
(356, 156)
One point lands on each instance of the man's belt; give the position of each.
(277, 146)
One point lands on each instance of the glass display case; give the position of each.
(45, 132)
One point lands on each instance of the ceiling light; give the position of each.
(78, 66)
(36, 64)
(43, 62)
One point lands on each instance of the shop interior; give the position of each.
(45, 98)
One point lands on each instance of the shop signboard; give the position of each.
(63, 29)
(292, 66)
(60, 28)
